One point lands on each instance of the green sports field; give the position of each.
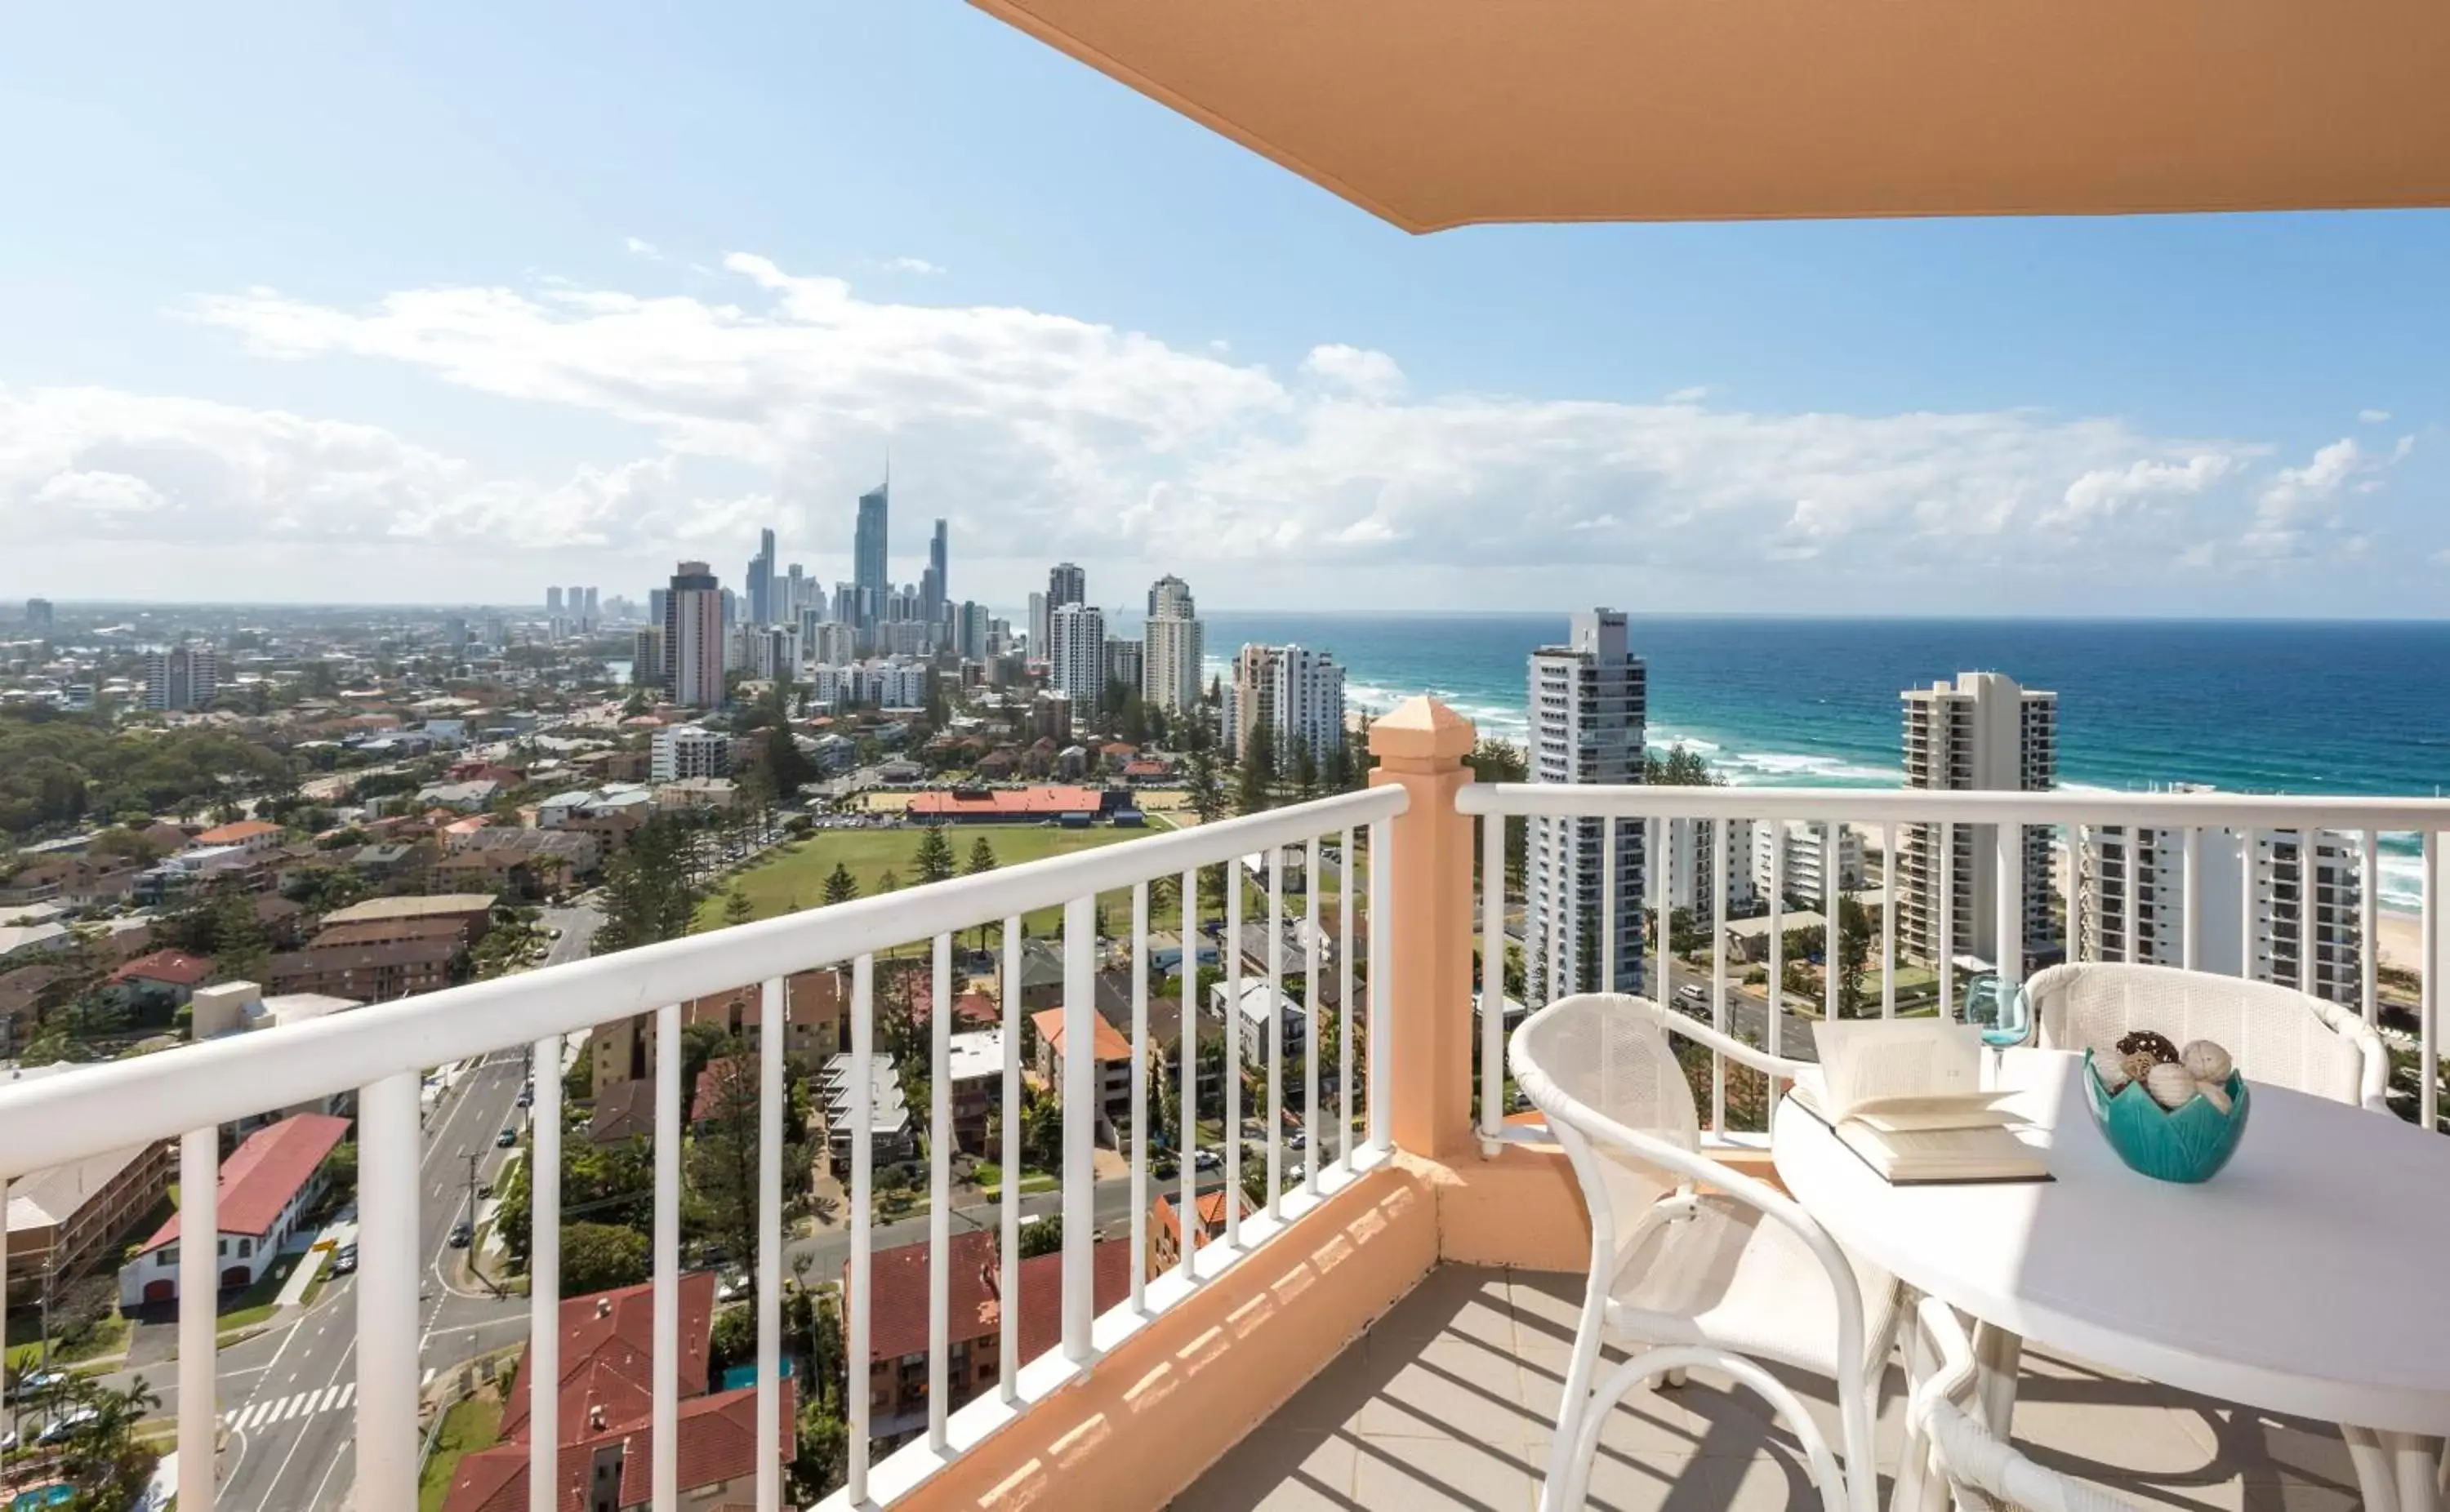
(795, 877)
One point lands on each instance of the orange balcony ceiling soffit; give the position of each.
(1441, 113)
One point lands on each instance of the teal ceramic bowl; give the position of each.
(2185, 1144)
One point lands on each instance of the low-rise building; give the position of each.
(815, 1026)
(1111, 1051)
(892, 1139)
(1165, 1235)
(976, 1076)
(1291, 1016)
(62, 1219)
(268, 1185)
(472, 913)
(366, 973)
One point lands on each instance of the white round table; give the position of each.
(2303, 1279)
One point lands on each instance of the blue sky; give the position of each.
(441, 302)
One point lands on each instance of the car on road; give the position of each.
(1693, 998)
(344, 1259)
(507, 1137)
(527, 1097)
(1208, 1160)
(65, 1424)
(36, 1383)
(460, 1235)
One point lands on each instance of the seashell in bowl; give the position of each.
(2170, 1086)
(2206, 1061)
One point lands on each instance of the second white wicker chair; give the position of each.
(2276, 1034)
(1981, 1468)
(1721, 1278)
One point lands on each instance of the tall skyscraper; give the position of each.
(38, 616)
(574, 602)
(647, 657)
(181, 677)
(933, 589)
(1296, 692)
(761, 581)
(655, 598)
(869, 577)
(1075, 663)
(1589, 710)
(971, 629)
(588, 614)
(796, 588)
(2132, 904)
(1041, 628)
(553, 601)
(1066, 584)
(1174, 644)
(694, 637)
(1984, 734)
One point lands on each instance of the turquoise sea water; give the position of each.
(2263, 707)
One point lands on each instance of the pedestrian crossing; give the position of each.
(298, 1405)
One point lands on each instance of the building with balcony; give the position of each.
(1294, 692)
(2261, 901)
(1983, 733)
(1588, 711)
(181, 677)
(62, 1220)
(1075, 654)
(692, 640)
(678, 751)
(1810, 848)
(1111, 1051)
(1689, 855)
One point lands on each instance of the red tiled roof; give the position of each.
(897, 1321)
(1212, 1216)
(1109, 1042)
(1005, 803)
(707, 1099)
(607, 1341)
(716, 1444)
(810, 997)
(173, 966)
(264, 1173)
(245, 830)
(971, 1010)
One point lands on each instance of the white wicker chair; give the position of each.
(1981, 1469)
(2276, 1034)
(1718, 1279)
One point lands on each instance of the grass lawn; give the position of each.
(794, 877)
(470, 1426)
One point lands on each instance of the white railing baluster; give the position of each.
(940, 1187)
(1081, 1096)
(1314, 1149)
(1888, 920)
(2189, 898)
(1719, 881)
(1607, 903)
(1275, 1038)
(2369, 951)
(1140, 1099)
(1381, 932)
(1008, 1323)
(542, 1368)
(2011, 846)
(665, 1465)
(199, 1188)
(1187, 1049)
(1944, 904)
(1345, 950)
(389, 1143)
(859, 1289)
(1492, 975)
(1232, 952)
(2428, 1058)
(1832, 904)
(774, 1024)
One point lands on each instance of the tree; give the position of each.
(737, 909)
(982, 856)
(785, 761)
(889, 882)
(1258, 771)
(732, 1339)
(1305, 769)
(1200, 771)
(600, 1256)
(1678, 768)
(841, 886)
(821, 1457)
(1041, 1235)
(648, 892)
(102, 1457)
(723, 1159)
(1853, 957)
(934, 860)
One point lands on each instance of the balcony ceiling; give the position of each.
(1439, 113)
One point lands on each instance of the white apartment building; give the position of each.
(769, 650)
(2132, 896)
(1688, 851)
(181, 677)
(835, 644)
(1982, 733)
(877, 684)
(680, 751)
(1297, 692)
(1075, 661)
(1805, 880)
(1589, 709)
(1041, 630)
(1173, 645)
(694, 637)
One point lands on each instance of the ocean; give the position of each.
(2341, 708)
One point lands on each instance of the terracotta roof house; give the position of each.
(267, 1185)
(1112, 1051)
(251, 834)
(170, 973)
(625, 1110)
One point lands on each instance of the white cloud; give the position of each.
(2301, 510)
(1368, 374)
(1694, 395)
(2374, 416)
(638, 248)
(1061, 437)
(920, 266)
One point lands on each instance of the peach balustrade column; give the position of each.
(1421, 744)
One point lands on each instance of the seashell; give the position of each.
(2138, 1065)
(2170, 1086)
(2214, 1093)
(2111, 1070)
(2206, 1061)
(2156, 1043)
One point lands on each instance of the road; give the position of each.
(827, 1250)
(1748, 1012)
(288, 1396)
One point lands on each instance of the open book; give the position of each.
(1906, 1094)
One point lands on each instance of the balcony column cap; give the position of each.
(1424, 732)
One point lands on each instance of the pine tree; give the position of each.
(1258, 771)
(737, 909)
(982, 856)
(934, 859)
(841, 888)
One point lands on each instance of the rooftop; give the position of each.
(383, 908)
(264, 1172)
(1109, 1044)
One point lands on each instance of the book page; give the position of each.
(1922, 1065)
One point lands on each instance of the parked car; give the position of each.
(1208, 1160)
(460, 1235)
(65, 1424)
(527, 1097)
(507, 1137)
(344, 1259)
(36, 1383)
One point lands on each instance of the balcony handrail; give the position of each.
(163, 1095)
(1914, 805)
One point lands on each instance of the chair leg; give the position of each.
(1562, 1490)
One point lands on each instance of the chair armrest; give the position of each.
(2373, 1084)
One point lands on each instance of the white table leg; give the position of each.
(1997, 1355)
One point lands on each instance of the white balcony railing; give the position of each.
(1928, 841)
(379, 1053)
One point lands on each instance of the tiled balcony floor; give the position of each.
(1448, 1403)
